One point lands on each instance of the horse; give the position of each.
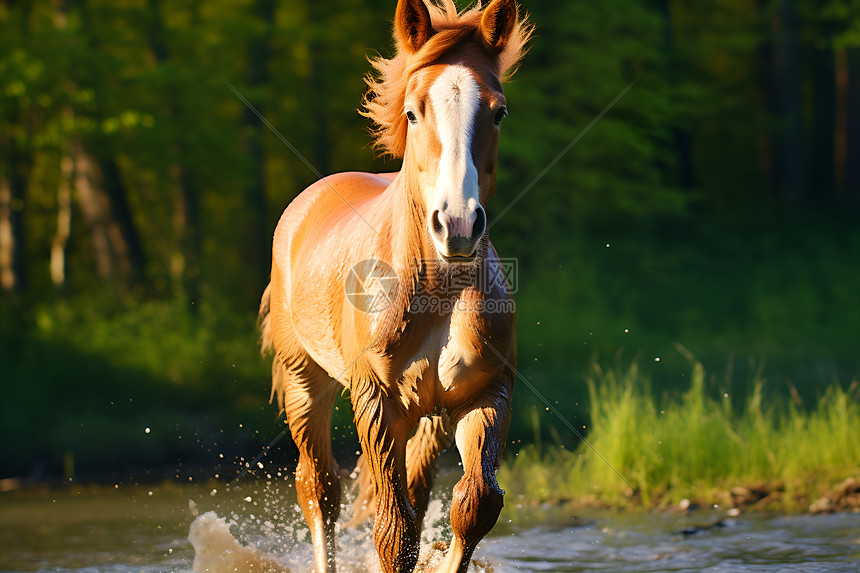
(428, 356)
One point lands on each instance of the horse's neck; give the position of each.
(408, 238)
(412, 250)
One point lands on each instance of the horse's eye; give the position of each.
(410, 115)
(501, 113)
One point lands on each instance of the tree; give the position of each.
(790, 166)
(258, 243)
(16, 143)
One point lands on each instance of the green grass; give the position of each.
(694, 446)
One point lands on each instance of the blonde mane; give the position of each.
(383, 103)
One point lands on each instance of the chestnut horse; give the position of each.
(433, 357)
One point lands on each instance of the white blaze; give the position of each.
(455, 97)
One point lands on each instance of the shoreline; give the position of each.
(757, 497)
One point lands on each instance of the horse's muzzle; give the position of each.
(457, 238)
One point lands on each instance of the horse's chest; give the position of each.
(462, 357)
(449, 359)
(460, 365)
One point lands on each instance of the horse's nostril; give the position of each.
(480, 224)
(437, 224)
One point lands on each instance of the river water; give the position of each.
(130, 529)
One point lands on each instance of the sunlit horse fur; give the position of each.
(417, 378)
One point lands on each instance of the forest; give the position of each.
(714, 205)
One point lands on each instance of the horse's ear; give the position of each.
(412, 26)
(497, 23)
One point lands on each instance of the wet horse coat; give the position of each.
(433, 358)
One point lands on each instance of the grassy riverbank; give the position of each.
(706, 446)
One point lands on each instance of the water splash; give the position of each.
(271, 536)
(217, 551)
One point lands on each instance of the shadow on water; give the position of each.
(128, 529)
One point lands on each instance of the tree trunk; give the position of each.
(14, 178)
(683, 141)
(821, 182)
(259, 243)
(188, 239)
(8, 246)
(840, 122)
(766, 98)
(852, 128)
(64, 222)
(13, 190)
(191, 239)
(128, 242)
(316, 49)
(94, 208)
(789, 100)
(102, 194)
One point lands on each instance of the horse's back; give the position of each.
(320, 207)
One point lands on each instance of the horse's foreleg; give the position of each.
(477, 498)
(383, 441)
(432, 436)
(308, 405)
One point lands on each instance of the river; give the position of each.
(130, 529)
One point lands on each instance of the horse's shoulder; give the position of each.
(328, 196)
(356, 183)
(348, 183)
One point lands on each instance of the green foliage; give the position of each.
(664, 222)
(845, 14)
(665, 449)
(774, 292)
(88, 380)
(562, 86)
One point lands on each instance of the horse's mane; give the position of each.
(383, 103)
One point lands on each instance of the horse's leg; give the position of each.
(432, 436)
(309, 397)
(477, 499)
(383, 440)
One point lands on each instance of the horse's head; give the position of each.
(447, 113)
